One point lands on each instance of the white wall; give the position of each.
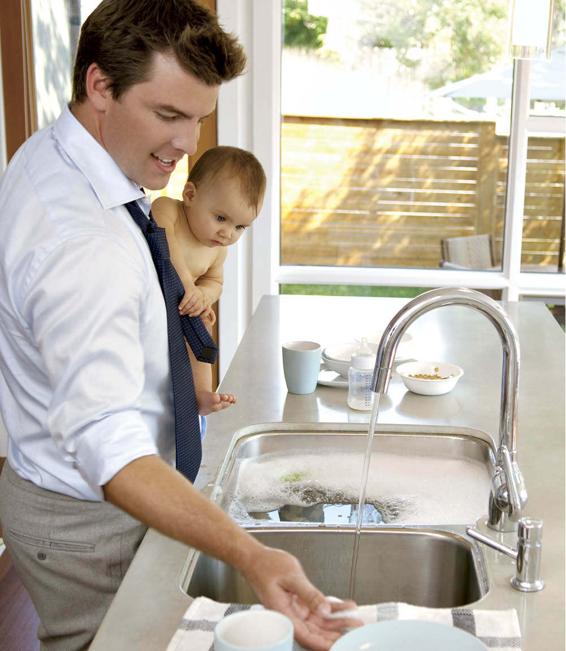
(52, 58)
(248, 117)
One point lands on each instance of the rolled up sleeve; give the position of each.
(84, 305)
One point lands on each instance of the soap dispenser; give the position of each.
(360, 374)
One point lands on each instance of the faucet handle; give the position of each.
(515, 484)
(508, 495)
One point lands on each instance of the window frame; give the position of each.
(249, 116)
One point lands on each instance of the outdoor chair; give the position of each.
(469, 252)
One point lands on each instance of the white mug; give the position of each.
(301, 365)
(254, 630)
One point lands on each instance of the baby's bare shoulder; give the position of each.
(165, 210)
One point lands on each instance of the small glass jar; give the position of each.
(360, 374)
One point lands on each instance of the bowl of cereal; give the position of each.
(429, 378)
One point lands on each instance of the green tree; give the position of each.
(559, 23)
(302, 29)
(449, 39)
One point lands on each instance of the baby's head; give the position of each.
(223, 195)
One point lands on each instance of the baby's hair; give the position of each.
(233, 161)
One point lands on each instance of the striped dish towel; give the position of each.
(497, 629)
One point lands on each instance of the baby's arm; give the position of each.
(210, 283)
(166, 212)
(208, 288)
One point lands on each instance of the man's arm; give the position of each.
(152, 492)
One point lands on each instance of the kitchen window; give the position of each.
(272, 261)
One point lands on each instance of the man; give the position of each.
(85, 386)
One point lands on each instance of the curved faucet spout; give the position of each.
(510, 371)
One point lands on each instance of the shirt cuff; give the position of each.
(107, 446)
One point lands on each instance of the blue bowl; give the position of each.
(408, 635)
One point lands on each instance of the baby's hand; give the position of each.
(193, 302)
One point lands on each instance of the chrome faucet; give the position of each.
(508, 494)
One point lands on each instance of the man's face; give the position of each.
(156, 122)
(217, 212)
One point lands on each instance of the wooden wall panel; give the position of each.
(386, 192)
(17, 72)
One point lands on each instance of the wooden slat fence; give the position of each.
(385, 192)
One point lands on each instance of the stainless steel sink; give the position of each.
(425, 567)
(433, 565)
(418, 447)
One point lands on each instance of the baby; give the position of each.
(222, 197)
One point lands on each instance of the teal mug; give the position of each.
(301, 365)
(254, 630)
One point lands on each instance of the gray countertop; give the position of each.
(150, 604)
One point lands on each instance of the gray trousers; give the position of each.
(70, 554)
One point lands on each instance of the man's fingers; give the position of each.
(311, 637)
(339, 623)
(311, 597)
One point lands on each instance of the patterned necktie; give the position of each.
(187, 422)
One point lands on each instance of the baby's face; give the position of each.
(217, 212)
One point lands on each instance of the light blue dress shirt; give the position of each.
(84, 365)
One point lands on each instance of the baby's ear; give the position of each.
(189, 192)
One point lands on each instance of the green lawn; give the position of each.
(352, 290)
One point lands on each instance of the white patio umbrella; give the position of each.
(548, 81)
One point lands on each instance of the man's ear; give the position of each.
(97, 87)
(189, 192)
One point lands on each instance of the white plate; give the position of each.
(328, 378)
(408, 635)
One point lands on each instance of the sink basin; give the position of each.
(310, 473)
(424, 567)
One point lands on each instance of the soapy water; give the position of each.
(338, 511)
(404, 490)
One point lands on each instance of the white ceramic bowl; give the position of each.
(444, 377)
(338, 356)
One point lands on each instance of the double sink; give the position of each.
(434, 564)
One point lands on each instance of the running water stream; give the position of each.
(362, 498)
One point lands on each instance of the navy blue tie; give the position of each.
(187, 423)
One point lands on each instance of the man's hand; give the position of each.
(149, 490)
(280, 583)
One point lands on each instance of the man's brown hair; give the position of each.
(232, 161)
(122, 35)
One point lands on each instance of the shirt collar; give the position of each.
(111, 186)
